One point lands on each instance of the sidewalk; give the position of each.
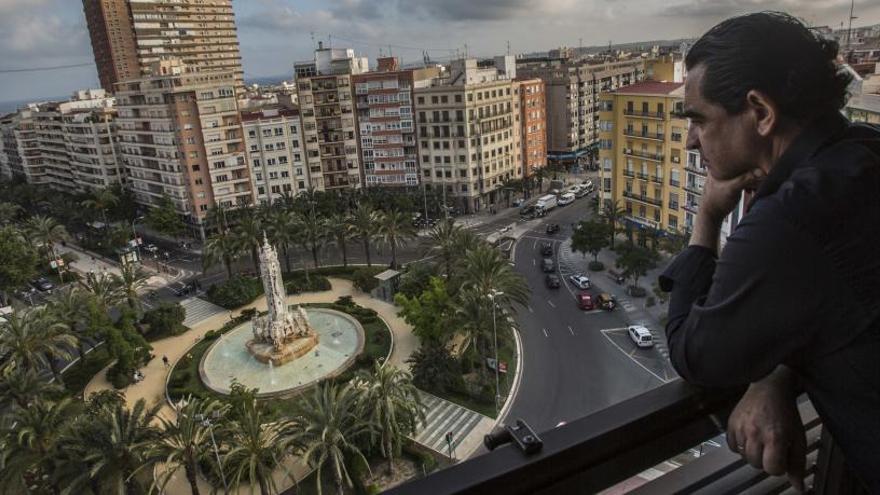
(89, 262)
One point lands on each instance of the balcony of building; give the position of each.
(654, 136)
(608, 450)
(644, 114)
(657, 157)
(644, 198)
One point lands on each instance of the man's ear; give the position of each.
(764, 111)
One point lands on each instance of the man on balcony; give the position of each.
(792, 304)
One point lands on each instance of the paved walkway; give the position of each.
(199, 310)
(467, 427)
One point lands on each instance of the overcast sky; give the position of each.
(275, 33)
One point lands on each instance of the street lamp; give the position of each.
(208, 423)
(134, 231)
(492, 295)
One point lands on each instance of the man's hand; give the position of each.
(720, 197)
(766, 429)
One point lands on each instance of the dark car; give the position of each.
(552, 281)
(552, 228)
(547, 265)
(43, 284)
(546, 248)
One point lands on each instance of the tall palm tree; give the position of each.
(185, 441)
(249, 232)
(70, 306)
(485, 270)
(313, 232)
(21, 387)
(445, 242)
(33, 340)
(255, 446)
(131, 279)
(394, 406)
(31, 439)
(43, 232)
(340, 230)
(613, 214)
(363, 221)
(104, 289)
(333, 423)
(114, 445)
(224, 246)
(396, 230)
(282, 225)
(101, 200)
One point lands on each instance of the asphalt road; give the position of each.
(574, 362)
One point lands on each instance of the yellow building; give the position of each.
(642, 153)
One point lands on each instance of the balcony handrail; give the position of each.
(595, 452)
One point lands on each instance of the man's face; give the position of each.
(727, 142)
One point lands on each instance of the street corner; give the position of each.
(654, 360)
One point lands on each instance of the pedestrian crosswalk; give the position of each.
(444, 417)
(199, 310)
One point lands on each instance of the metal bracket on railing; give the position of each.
(522, 435)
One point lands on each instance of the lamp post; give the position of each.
(492, 295)
(208, 423)
(134, 231)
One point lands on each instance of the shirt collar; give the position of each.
(815, 136)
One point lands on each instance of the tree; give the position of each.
(185, 441)
(104, 289)
(18, 261)
(70, 306)
(250, 232)
(282, 225)
(635, 261)
(433, 368)
(43, 232)
(445, 237)
(485, 270)
(165, 320)
(313, 230)
(33, 340)
(223, 247)
(429, 313)
(590, 238)
(340, 230)
(164, 219)
(8, 212)
(394, 405)
(100, 201)
(22, 387)
(395, 230)
(131, 279)
(613, 214)
(255, 445)
(332, 422)
(363, 224)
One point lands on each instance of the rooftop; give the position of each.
(649, 88)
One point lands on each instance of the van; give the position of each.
(546, 203)
(566, 199)
(640, 336)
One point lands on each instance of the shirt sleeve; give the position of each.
(732, 321)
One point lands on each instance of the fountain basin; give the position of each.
(340, 340)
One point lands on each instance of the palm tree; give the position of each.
(8, 212)
(340, 229)
(333, 422)
(255, 446)
(445, 242)
(131, 279)
(185, 441)
(363, 223)
(104, 289)
(613, 214)
(282, 225)
(313, 231)
(394, 405)
(223, 246)
(70, 306)
(21, 387)
(249, 233)
(33, 340)
(486, 271)
(101, 200)
(395, 230)
(31, 439)
(43, 232)
(113, 444)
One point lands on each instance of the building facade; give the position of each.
(572, 89)
(864, 108)
(642, 154)
(533, 120)
(181, 137)
(129, 36)
(274, 143)
(325, 94)
(469, 130)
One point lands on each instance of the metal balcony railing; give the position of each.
(640, 154)
(643, 198)
(650, 115)
(647, 135)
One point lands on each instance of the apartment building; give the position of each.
(642, 153)
(572, 89)
(469, 132)
(13, 150)
(92, 148)
(129, 36)
(385, 123)
(181, 137)
(695, 180)
(533, 124)
(274, 143)
(325, 94)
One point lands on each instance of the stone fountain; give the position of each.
(280, 335)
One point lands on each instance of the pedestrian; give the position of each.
(763, 97)
(165, 361)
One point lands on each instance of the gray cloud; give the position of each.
(725, 8)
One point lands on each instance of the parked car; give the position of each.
(580, 281)
(606, 302)
(552, 228)
(640, 336)
(566, 199)
(582, 191)
(616, 276)
(547, 265)
(546, 249)
(552, 281)
(43, 284)
(585, 301)
(528, 212)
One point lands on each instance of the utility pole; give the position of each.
(852, 5)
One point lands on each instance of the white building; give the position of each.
(275, 153)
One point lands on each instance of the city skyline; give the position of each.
(276, 33)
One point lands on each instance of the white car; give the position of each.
(640, 336)
(580, 281)
(575, 189)
(566, 199)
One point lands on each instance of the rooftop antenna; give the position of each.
(465, 51)
(508, 47)
(849, 28)
(312, 36)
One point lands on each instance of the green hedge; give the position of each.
(78, 376)
(235, 292)
(165, 320)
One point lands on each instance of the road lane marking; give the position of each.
(545, 332)
(535, 244)
(570, 330)
(534, 262)
(551, 304)
(655, 375)
(530, 309)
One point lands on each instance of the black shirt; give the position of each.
(798, 283)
